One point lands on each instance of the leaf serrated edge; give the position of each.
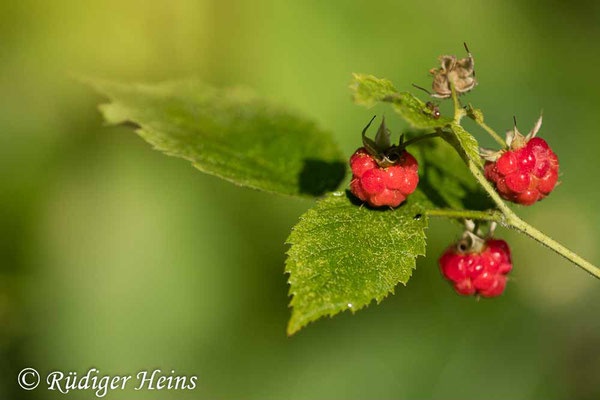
(469, 147)
(399, 100)
(115, 112)
(296, 324)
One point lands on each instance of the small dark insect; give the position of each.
(435, 111)
(417, 217)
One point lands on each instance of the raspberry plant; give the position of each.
(349, 249)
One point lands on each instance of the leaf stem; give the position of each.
(490, 215)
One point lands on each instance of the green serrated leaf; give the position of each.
(368, 90)
(416, 113)
(465, 143)
(343, 256)
(230, 133)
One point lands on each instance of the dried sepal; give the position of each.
(459, 71)
(470, 243)
(535, 130)
(470, 225)
(492, 229)
(510, 136)
(368, 143)
(382, 150)
(516, 140)
(382, 138)
(441, 84)
(489, 154)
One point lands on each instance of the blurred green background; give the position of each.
(117, 257)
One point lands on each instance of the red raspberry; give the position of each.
(481, 272)
(383, 186)
(525, 173)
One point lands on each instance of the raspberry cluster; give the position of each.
(480, 272)
(525, 173)
(383, 186)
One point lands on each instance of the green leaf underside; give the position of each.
(342, 256)
(368, 90)
(230, 133)
(465, 143)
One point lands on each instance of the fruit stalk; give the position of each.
(491, 132)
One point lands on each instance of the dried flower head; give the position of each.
(461, 72)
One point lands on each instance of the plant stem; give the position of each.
(522, 226)
(490, 215)
(489, 189)
(459, 112)
(492, 133)
(518, 224)
(510, 219)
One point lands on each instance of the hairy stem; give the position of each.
(522, 226)
(459, 112)
(489, 189)
(510, 219)
(492, 133)
(490, 215)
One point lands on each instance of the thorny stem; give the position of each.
(509, 219)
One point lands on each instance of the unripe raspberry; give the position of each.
(477, 271)
(383, 174)
(525, 173)
(383, 185)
